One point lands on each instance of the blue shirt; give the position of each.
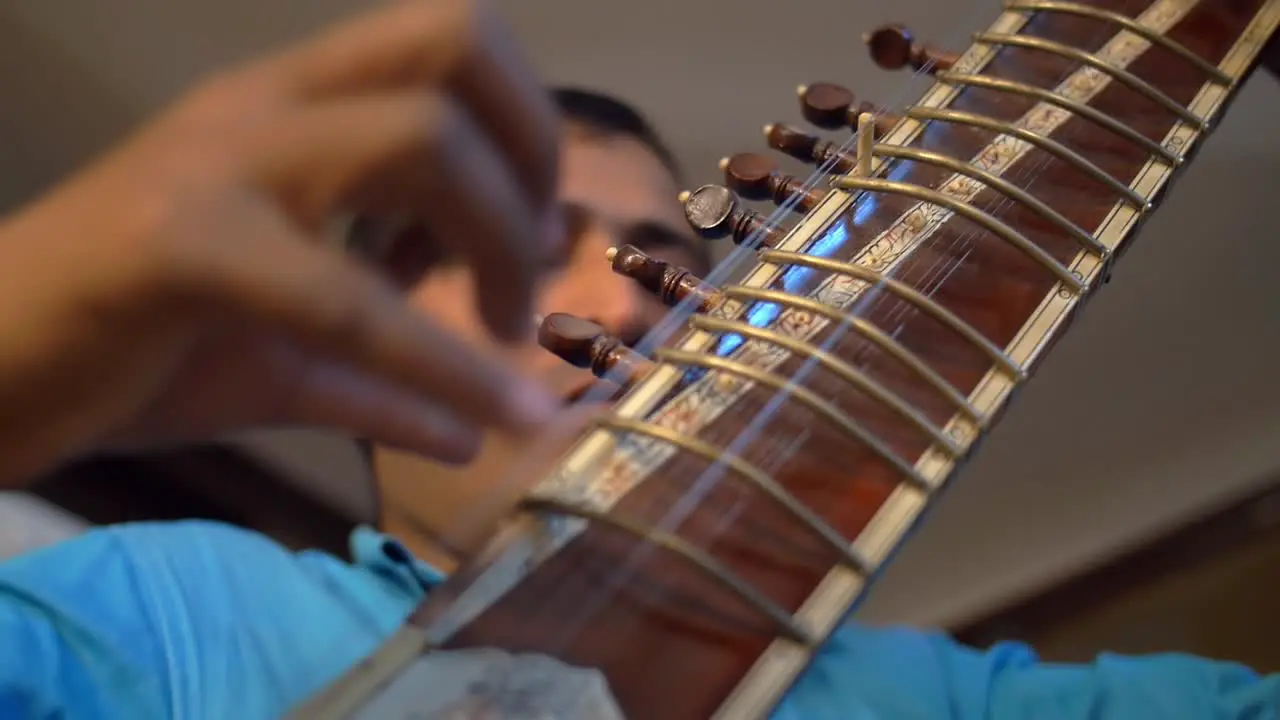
(200, 620)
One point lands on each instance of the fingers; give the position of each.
(457, 45)
(341, 312)
(336, 397)
(509, 469)
(418, 154)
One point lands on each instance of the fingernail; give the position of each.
(532, 405)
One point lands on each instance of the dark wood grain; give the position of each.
(672, 643)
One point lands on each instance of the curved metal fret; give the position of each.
(1121, 75)
(801, 393)
(969, 212)
(1048, 145)
(904, 292)
(1087, 241)
(1128, 23)
(744, 469)
(1076, 108)
(541, 504)
(844, 370)
(868, 330)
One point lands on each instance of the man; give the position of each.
(618, 185)
(178, 289)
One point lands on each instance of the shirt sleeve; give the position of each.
(190, 619)
(899, 673)
(201, 620)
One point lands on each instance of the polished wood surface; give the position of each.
(674, 642)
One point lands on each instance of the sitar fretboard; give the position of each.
(702, 541)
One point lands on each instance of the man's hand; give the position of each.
(180, 289)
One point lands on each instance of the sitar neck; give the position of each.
(700, 543)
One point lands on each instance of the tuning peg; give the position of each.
(831, 107)
(713, 212)
(586, 344)
(893, 47)
(671, 283)
(756, 177)
(808, 148)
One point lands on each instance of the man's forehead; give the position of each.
(618, 177)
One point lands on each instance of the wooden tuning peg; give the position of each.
(808, 148)
(894, 47)
(586, 344)
(832, 107)
(671, 283)
(713, 211)
(756, 177)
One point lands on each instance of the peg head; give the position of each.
(713, 211)
(807, 147)
(826, 105)
(748, 175)
(670, 283)
(756, 177)
(710, 210)
(569, 337)
(833, 107)
(891, 46)
(790, 140)
(586, 344)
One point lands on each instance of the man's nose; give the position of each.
(619, 305)
(590, 289)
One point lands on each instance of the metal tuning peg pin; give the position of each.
(833, 107)
(894, 47)
(808, 148)
(587, 345)
(756, 177)
(670, 283)
(713, 211)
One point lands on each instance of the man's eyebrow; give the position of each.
(657, 236)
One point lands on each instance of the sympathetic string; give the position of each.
(702, 486)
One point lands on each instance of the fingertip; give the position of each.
(455, 451)
(507, 318)
(531, 406)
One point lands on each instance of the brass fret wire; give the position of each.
(905, 292)
(1128, 23)
(544, 505)
(1072, 106)
(969, 212)
(1000, 185)
(837, 366)
(758, 693)
(1125, 77)
(868, 330)
(1046, 144)
(800, 393)
(743, 469)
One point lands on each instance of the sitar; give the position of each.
(783, 432)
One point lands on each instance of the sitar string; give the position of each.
(710, 477)
(943, 267)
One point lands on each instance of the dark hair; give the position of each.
(607, 115)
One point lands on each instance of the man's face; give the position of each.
(615, 191)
